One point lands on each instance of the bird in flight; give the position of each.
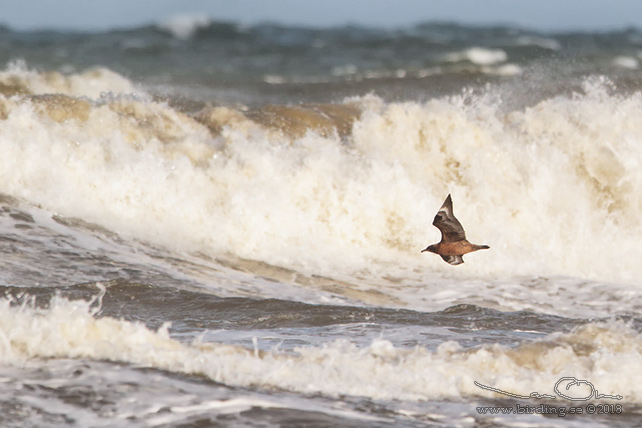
(453, 244)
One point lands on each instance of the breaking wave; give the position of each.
(606, 354)
(553, 188)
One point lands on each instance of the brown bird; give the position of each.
(453, 243)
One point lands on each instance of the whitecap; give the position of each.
(626, 62)
(185, 26)
(479, 56)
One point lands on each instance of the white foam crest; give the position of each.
(505, 70)
(92, 83)
(548, 188)
(184, 26)
(479, 56)
(627, 62)
(608, 355)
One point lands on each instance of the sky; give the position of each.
(546, 15)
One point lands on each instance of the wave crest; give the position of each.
(342, 186)
(606, 354)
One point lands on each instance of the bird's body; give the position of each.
(453, 244)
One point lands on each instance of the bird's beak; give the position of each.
(424, 250)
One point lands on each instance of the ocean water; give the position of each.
(205, 224)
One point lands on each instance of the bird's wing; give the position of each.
(445, 221)
(453, 260)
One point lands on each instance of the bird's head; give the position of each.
(432, 248)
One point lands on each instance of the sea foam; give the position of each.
(605, 354)
(185, 26)
(554, 189)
